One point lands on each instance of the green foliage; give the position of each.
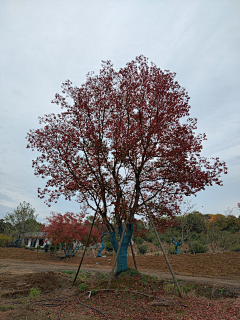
(83, 287)
(172, 250)
(103, 276)
(142, 248)
(34, 293)
(151, 236)
(47, 247)
(228, 240)
(219, 232)
(129, 272)
(94, 291)
(233, 224)
(145, 280)
(68, 271)
(5, 240)
(108, 244)
(5, 308)
(167, 236)
(138, 240)
(170, 288)
(197, 221)
(185, 289)
(53, 248)
(5, 227)
(22, 220)
(155, 242)
(197, 247)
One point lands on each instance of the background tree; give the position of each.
(123, 144)
(5, 227)
(71, 230)
(22, 220)
(223, 232)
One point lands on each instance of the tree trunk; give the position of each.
(122, 257)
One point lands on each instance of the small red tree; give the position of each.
(68, 229)
(123, 144)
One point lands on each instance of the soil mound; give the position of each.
(12, 285)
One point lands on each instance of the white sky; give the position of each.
(43, 43)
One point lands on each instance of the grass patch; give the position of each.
(68, 272)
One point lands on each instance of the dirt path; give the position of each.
(18, 268)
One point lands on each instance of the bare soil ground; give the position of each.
(221, 265)
(21, 270)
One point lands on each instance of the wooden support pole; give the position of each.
(85, 248)
(163, 250)
(133, 255)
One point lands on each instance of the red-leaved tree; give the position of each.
(71, 230)
(124, 142)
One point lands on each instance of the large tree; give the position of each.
(22, 220)
(124, 142)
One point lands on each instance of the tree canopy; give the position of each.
(69, 228)
(126, 140)
(22, 220)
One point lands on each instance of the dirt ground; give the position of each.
(221, 265)
(21, 270)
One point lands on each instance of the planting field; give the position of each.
(226, 264)
(38, 286)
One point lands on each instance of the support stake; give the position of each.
(133, 255)
(85, 248)
(160, 243)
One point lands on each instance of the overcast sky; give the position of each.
(43, 43)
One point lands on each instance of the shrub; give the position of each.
(53, 248)
(129, 272)
(46, 247)
(197, 247)
(108, 246)
(138, 240)
(34, 293)
(94, 291)
(142, 248)
(68, 271)
(83, 287)
(5, 240)
(151, 237)
(5, 308)
(172, 250)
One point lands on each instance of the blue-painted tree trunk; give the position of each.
(103, 246)
(17, 241)
(101, 249)
(176, 244)
(122, 257)
(69, 250)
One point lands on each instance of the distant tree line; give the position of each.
(16, 224)
(199, 233)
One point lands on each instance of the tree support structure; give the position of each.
(85, 249)
(160, 243)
